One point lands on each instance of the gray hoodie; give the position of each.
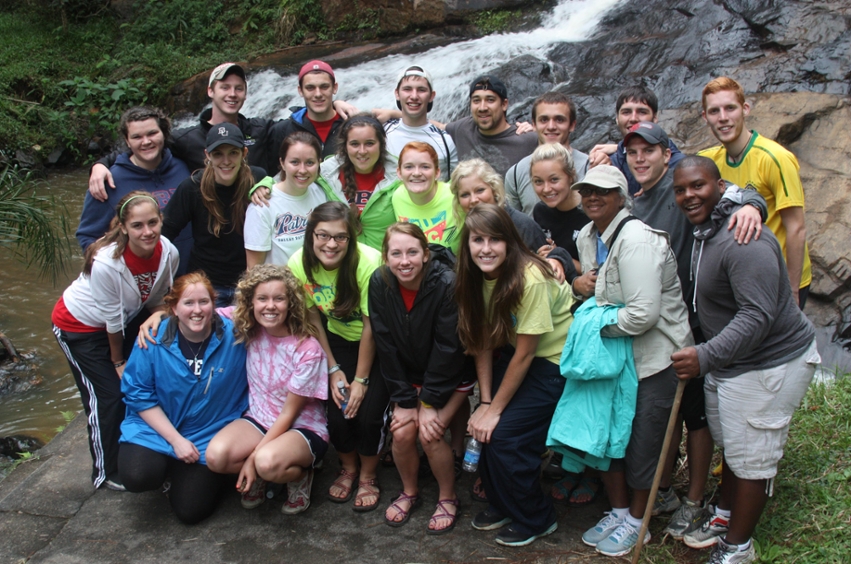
(744, 301)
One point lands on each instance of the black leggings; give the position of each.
(195, 489)
(365, 433)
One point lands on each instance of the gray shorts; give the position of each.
(652, 409)
(749, 414)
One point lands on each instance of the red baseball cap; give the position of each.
(314, 66)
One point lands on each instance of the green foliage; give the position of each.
(103, 102)
(67, 416)
(297, 19)
(35, 226)
(362, 19)
(495, 21)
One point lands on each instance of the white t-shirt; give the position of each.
(280, 227)
(399, 135)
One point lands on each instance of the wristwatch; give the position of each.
(364, 381)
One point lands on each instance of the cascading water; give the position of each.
(371, 84)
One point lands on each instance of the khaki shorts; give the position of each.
(749, 414)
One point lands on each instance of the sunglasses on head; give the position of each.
(587, 191)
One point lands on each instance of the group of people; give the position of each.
(350, 278)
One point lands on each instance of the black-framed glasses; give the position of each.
(587, 191)
(325, 237)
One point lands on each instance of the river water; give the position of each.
(25, 306)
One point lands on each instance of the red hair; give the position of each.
(181, 284)
(720, 84)
(419, 147)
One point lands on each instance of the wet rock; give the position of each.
(528, 77)
(15, 445)
(18, 375)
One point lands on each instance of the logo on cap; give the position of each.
(223, 132)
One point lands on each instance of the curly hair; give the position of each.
(245, 324)
(475, 168)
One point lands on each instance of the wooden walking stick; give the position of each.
(669, 432)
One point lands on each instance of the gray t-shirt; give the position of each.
(500, 151)
(399, 135)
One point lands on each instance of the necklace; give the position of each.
(739, 155)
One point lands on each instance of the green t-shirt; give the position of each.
(322, 293)
(544, 310)
(435, 218)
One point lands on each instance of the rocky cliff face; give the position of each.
(792, 58)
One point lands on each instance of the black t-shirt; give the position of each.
(564, 227)
(193, 352)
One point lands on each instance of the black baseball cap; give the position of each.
(224, 134)
(650, 132)
(488, 82)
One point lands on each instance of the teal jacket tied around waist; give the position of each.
(593, 419)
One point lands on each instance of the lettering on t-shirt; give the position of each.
(145, 282)
(361, 198)
(435, 228)
(323, 297)
(289, 224)
(196, 366)
(163, 196)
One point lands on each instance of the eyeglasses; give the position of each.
(325, 237)
(587, 191)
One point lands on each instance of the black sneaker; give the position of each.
(509, 536)
(488, 520)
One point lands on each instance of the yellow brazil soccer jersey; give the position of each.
(769, 168)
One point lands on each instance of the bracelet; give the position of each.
(335, 368)
(484, 403)
(119, 364)
(426, 405)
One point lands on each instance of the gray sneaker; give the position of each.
(685, 519)
(711, 528)
(666, 502)
(723, 553)
(602, 529)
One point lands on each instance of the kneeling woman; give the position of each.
(334, 270)
(179, 394)
(509, 300)
(414, 320)
(284, 432)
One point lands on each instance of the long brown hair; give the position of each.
(347, 297)
(245, 324)
(217, 220)
(402, 228)
(350, 185)
(484, 326)
(114, 234)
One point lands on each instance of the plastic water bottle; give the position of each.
(344, 391)
(471, 455)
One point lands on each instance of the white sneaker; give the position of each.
(621, 540)
(723, 553)
(255, 495)
(602, 529)
(298, 495)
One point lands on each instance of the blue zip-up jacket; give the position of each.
(160, 183)
(593, 420)
(197, 407)
(298, 122)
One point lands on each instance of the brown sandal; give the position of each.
(440, 512)
(370, 488)
(340, 482)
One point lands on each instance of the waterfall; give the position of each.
(452, 67)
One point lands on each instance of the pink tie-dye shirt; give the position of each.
(279, 365)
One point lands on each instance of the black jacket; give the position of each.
(421, 346)
(222, 258)
(298, 122)
(188, 143)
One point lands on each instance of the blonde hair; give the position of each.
(485, 172)
(245, 324)
(554, 152)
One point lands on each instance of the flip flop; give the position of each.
(586, 487)
(414, 501)
(440, 512)
(370, 488)
(339, 481)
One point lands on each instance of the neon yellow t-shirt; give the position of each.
(544, 310)
(774, 172)
(322, 293)
(435, 218)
